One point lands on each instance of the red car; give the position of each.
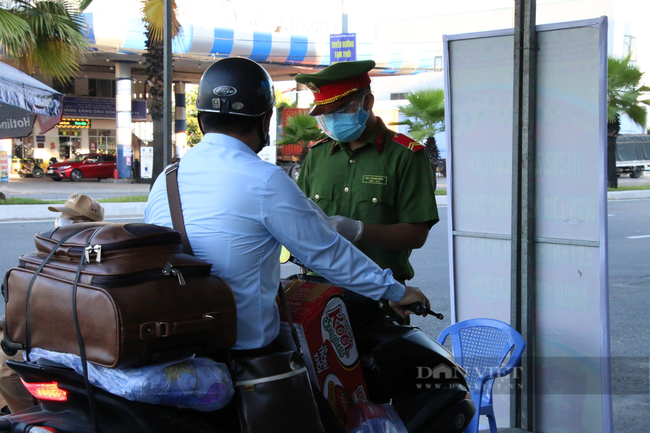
(94, 165)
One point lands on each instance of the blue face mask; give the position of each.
(344, 127)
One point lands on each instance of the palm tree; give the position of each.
(425, 117)
(49, 34)
(153, 16)
(623, 93)
(301, 129)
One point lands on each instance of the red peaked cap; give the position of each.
(337, 81)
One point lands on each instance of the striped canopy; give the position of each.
(125, 34)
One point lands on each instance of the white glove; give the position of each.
(350, 229)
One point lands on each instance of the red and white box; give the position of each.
(326, 337)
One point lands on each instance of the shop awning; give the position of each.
(22, 99)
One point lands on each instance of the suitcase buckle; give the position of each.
(154, 330)
(163, 329)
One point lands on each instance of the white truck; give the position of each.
(632, 155)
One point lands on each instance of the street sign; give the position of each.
(4, 167)
(74, 123)
(146, 162)
(343, 47)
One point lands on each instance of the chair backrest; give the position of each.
(480, 346)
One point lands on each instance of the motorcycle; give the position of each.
(393, 358)
(31, 167)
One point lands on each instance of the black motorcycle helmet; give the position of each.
(235, 85)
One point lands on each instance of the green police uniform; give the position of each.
(388, 180)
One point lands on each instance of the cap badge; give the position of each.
(224, 91)
(311, 86)
(237, 106)
(73, 198)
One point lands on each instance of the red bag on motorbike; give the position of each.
(127, 290)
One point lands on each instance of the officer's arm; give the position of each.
(401, 236)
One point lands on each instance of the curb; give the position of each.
(23, 212)
(628, 195)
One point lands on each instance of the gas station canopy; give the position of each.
(120, 37)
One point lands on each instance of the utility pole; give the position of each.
(344, 17)
(523, 289)
(167, 78)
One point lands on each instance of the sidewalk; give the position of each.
(47, 189)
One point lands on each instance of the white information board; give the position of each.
(572, 381)
(146, 162)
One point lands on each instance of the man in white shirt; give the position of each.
(239, 210)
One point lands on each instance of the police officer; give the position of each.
(376, 185)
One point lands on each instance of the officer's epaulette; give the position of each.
(320, 142)
(408, 142)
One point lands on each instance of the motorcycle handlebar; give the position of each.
(420, 309)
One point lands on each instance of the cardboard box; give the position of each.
(323, 326)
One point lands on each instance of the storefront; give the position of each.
(87, 126)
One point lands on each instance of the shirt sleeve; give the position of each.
(291, 220)
(304, 174)
(416, 197)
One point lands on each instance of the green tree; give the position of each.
(153, 17)
(623, 92)
(49, 34)
(194, 134)
(301, 129)
(282, 101)
(425, 117)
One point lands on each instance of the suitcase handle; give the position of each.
(167, 329)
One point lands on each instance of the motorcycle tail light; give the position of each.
(46, 391)
(41, 429)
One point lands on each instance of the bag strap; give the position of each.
(287, 313)
(82, 347)
(175, 209)
(28, 332)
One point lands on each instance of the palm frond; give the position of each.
(425, 112)
(153, 14)
(57, 34)
(83, 4)
(15, 34)
(624, 91)
(301, 129)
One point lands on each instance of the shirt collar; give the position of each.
(376, 138)
(227, 141)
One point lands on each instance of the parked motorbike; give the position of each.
(393, 358)
(31, 167)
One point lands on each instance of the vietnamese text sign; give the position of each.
(100, 108)
(343, 47)
(4, 167)
(570, 209)
(74, 123)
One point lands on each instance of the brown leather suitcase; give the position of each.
(139, 298)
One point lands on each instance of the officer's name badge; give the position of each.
(378, 180)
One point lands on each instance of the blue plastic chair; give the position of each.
(480, 346)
